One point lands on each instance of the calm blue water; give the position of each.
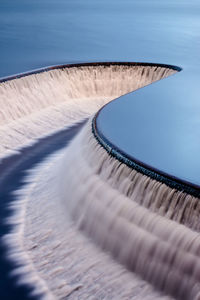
(161, 122)
(38, 33)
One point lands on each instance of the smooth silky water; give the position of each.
(83, 190)
(55, 257)
(39, 104)
(146, 225)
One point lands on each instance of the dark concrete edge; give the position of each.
(93, 64)
(172, 182)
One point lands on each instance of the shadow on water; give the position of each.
(13, 170)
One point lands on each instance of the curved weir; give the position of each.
(115, 213)
(145, 225)
(149, 228)
(43, 101)
(159, 136)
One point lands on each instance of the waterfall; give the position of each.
(43, 103)
(86, 226)
(144, 224)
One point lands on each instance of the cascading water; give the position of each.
(146, 226)
(129, 215)
(42, 103)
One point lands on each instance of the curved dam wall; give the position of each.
(102, 197)
(150, 228)
(41, 102)
(160, 132)
(32, 92)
